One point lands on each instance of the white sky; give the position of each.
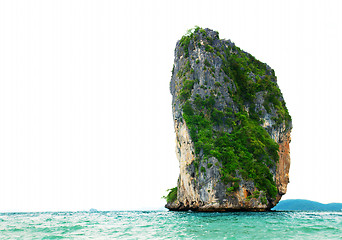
(85, 108)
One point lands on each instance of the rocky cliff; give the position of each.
(232, 128)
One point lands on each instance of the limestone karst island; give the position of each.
(232, 128)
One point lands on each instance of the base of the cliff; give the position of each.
(182, 208)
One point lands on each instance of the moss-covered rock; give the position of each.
(229, 114)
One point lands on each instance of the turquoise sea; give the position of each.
(171, 225)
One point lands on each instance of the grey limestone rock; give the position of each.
(231, 92)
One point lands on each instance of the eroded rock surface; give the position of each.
(232, 127)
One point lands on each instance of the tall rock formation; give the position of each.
(232, 128)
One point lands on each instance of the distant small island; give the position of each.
(306, 205)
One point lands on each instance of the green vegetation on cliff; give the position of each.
(234, 135)
(172, 195)
(247, 148)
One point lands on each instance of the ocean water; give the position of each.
(171, 225)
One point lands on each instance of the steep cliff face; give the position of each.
(232, 128)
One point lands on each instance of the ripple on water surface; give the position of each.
(170, 225)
